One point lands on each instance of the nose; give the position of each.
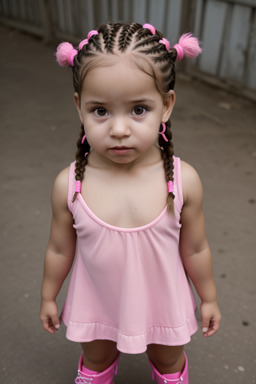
(120, 128)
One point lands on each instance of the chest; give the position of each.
(126, 200)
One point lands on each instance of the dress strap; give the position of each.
(178, 184)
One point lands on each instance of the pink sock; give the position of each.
(88, 371)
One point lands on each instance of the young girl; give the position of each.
(131, 210)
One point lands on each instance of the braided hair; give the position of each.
(144, 41)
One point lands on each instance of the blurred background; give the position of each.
(226, 28)
(214, 129)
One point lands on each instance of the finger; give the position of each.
(56, 322)
(47, 326)
(212, 329)
(205, 325)
(209, 333)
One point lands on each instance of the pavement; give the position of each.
(213, 130)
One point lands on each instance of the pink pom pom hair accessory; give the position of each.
(66, 52)
(187, 46)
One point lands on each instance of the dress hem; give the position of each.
(131, 344)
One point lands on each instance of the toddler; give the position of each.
(130, 210)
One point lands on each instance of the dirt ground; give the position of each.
(213, 130)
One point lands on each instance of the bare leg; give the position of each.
(166, 359)
(98, 355)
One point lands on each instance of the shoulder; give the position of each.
(60, 188)
(191, 184)
(62, 180)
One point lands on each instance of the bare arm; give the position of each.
(195, 250)
(59, 254)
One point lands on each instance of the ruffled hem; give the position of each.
(132, 344)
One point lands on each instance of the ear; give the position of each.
(169, 101)
(77, 104)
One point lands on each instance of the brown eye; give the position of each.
(100, 112)
(139, 110)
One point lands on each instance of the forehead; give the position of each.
(119, 74)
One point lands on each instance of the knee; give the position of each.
(166, 358)
(99, 354)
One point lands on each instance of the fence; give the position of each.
(226, 27)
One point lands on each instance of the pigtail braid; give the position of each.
(167, 156)
(83, 149)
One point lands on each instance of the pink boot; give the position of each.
(173, 378)
(105, 377)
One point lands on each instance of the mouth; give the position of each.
(120, 150)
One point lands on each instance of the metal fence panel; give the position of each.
(212, 35)
(234, 56)
(251, 71)
(227, 29)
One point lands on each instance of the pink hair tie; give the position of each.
(71, 57)
(170, 186)
(188, 46)
(83, 139)
(65, 54)
(150, 27)
(82, 43)
(91, 33)
(86, 41)
(78, 186)
(165, 42)
(180, 52)
(162, 133)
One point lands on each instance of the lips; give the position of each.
(120, 150)
(120, 147)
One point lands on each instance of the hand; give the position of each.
(49, 316)
(211, 317)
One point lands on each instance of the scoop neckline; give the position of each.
(120, 229)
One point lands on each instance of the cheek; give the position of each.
(149, 137)
(94, 135)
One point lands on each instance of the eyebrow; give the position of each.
(95, 102)
(139, 101)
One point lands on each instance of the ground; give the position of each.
(213, 130)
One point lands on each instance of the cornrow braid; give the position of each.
(124, 38)
(144, 40)
(109, 35)
(127, 35)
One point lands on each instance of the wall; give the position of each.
(228, 31)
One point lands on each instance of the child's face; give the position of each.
(121, 110)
